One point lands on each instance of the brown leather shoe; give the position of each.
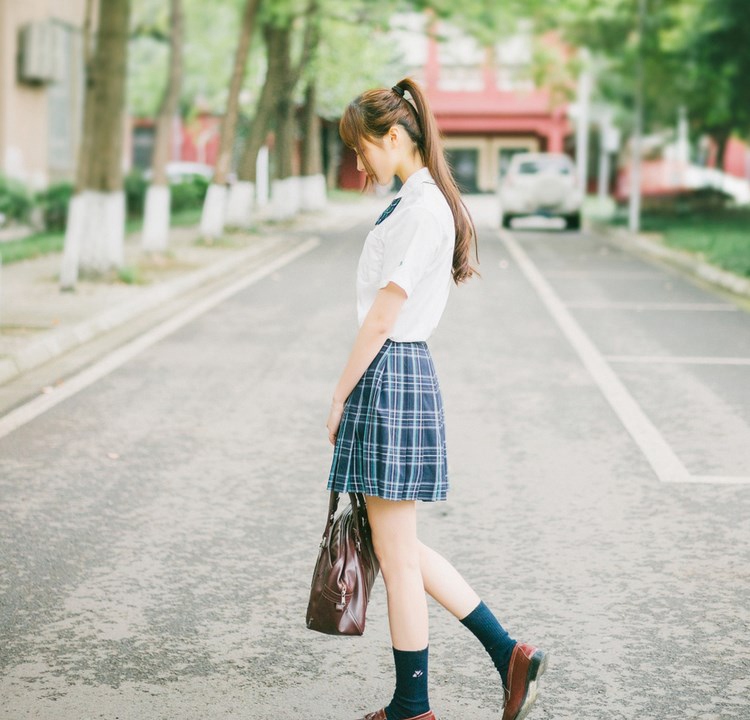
(527, 663)
(380, 715)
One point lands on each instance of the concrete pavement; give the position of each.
(159, 526)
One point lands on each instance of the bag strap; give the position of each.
(359, 511)
(333, 503)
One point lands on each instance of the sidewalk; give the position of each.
(38, 322)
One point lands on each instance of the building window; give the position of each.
(65, 107)
(461, 61)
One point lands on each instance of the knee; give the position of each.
(396, 559)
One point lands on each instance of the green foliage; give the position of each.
(720, 236)
(135, 193)
(189, 194)
(15, 200)
(31, 247)
(186, 195)
(53, 203)
(696, 53)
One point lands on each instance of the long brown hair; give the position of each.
(371, 115)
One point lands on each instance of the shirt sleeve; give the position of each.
(410, 249)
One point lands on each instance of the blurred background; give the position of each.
(144, 114)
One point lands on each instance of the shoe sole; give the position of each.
(537, 666)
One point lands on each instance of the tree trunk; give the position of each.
(171, 97)
(108, 85)
(287, 185)
(229, 121)
(313, 189)
(156, 216)
(312, 162)
(277, 40)
(96, 225)
(90, 69)
(214, 207)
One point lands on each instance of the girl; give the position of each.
(386, 420)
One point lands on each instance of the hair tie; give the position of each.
(398, 90)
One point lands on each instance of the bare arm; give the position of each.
(374, 332)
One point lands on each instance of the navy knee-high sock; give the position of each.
(493, 636)
(410, 697)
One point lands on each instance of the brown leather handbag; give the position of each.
(344, 572)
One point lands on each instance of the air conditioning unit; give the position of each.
(41, 56)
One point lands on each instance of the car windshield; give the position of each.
(544, 165)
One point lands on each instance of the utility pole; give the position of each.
(634, 210)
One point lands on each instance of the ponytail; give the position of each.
(373, 113)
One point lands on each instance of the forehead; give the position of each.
(369, 144)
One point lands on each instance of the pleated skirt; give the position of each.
(391, 440)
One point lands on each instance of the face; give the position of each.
(382, 160)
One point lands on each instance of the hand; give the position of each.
(334, 420)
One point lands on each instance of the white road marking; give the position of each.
(677, 360)
(41, 404)
(609, 275)
(666, 306)
(665, 463)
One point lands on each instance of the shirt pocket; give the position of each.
(371, 261)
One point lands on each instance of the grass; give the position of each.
(722, 237)
(32, 246)
(50, 242)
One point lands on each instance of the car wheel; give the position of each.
(507, 220)
(573, 222)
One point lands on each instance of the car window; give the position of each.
(546, 165)
(528, 168)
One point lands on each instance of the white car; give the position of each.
(541, 184)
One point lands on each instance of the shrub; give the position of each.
(15, 200)
(53, 203)
(188, 194)
(135, 194)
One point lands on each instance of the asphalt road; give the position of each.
(159, 527)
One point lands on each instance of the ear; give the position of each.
(393, 134)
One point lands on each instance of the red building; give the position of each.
(484, 99)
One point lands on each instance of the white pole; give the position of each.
(582, 124)
(634, 210)
(605, 130)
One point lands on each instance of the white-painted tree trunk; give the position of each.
(214, 212)
(285, 198)
(313, 190)
(261, 177)
(71, 249)
(240, 204)
(155, 237)
(100, 231)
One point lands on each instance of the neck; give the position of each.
(408, 167)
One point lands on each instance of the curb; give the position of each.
(682, 259)
(59, 341)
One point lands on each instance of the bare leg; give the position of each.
(394, 536)
(445, 584)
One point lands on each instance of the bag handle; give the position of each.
(359, 510)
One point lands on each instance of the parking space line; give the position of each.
(665, 463)
(42, 403)
(661, 306)
(676, 360)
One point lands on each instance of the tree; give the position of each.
(213, 218)
(96, 220)
(156, 219)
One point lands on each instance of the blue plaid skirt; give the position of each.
(391, 441)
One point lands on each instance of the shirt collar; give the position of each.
(414, 180)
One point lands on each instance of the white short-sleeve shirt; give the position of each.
(411, 245)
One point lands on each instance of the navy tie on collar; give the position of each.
(388, 211)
